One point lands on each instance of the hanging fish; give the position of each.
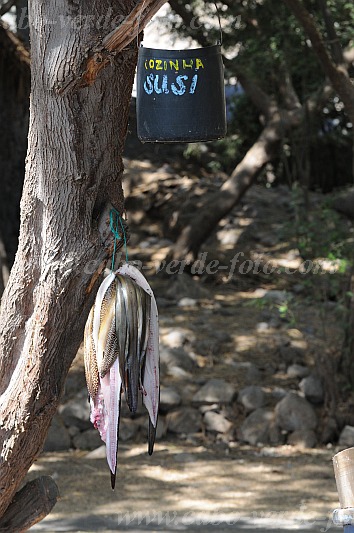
(121, 352)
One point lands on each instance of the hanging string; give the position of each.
(116, 222)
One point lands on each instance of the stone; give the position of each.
(249, 371)
(127, 429)
(312, 388)
(87, 440)
(169, 399)
(251, 398)
(161, 429)
(176, 337)
(346, 437)
(185, 285)
(58, 438)
(255, 428)
(76, 412)
(297, 371)
(186, 420)
(216, 422)
(294, 412)
(303, 438)
(187, 302)
(215, 391)
(329, 432)
(262, 326)
(176, 357)
(98, 453)
(277, 296)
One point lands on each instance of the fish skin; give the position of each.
(132, 360)
(90, 361)
(151, 380)
(107, 332)
(121, 327)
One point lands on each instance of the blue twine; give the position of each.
(116, 221)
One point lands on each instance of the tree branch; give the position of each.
(4, 8)
(102, 54)
(30, 505)
(337, 51)
(337, 74)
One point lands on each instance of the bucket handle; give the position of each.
(220, 41)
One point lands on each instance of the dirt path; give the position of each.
(189, 488)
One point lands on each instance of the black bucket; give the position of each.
(180, 95)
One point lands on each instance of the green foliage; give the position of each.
(265, 41)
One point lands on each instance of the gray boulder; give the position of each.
(312, 388)
(346, 438)
(256, 427)
(297, 371)
(216, 422)
(186, 420)
(58, 438)
(251, 398)
(169, 399)
(215, 391)
(87, 440)
(303, 438)
(76, 412)
(293, 413)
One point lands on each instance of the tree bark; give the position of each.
(14, 112)
(31, 504)
(73, 177)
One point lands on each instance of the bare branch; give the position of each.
(337, 51)
(4, 8)
(337, 74)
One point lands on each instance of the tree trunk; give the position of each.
(73, 176)
(14, 107)
(232, 191)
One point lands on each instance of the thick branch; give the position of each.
(337, 51)
(337, 75)
(30, 505)
(6, 7)
(103, 53)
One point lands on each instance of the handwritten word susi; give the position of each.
(160, 84)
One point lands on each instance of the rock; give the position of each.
(255, 428)
(294, 412)
(161, 429)
(186, 420)
(184, 285)
(329, 431)
(87, 440)
(289, 353)
(303, 438)
(346, 438)
(215, 391)
(176, 338)
(58, 438)
(297, 371)
(278, 393)
(76, 412)
(262, 326)
(216, 422)
(98, 453)
(312, 387)
(249, 371)
(205, 408)
(128, 429)
(251, 398)
(169, 399)
(177, 357)
(187, 302)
